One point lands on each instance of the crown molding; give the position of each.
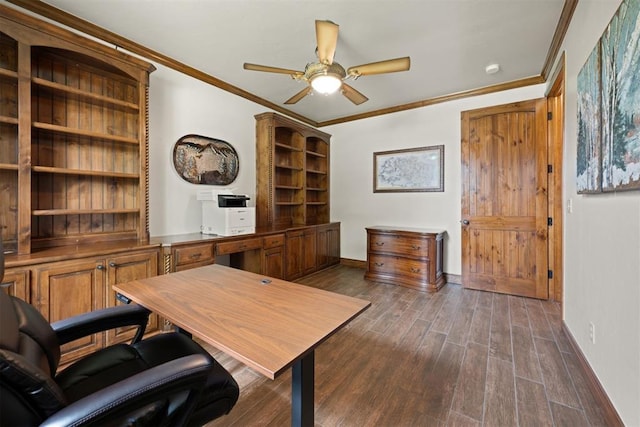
(47, 11)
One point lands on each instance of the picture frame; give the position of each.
(608, 149)
(418, 169)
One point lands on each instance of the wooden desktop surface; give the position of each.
(266, 326)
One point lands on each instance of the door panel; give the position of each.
(504, 199)
(66, 289)
(122, 269)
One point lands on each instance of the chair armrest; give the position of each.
(187, 373)
(105, 319)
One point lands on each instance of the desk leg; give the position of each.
(302, 384)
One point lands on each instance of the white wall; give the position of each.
(180, 105)
(353, 201)
(602, 245)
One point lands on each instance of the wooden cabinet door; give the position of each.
(309, 264)
(333, 244)
(16, 283)
(274, 262)
(322, 250)
(328, 245)
(67, 289)
(294, 253)
(125, 268)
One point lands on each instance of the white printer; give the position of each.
(226, 214)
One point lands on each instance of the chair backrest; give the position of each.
(29, 357)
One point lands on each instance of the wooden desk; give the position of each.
(265, 323)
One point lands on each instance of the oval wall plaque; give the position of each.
(202, 160)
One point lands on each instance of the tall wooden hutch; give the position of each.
(73, 172)
(292, 173)
(73, 138)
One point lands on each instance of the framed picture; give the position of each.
(409, 170)
(609, 107)
(203, 160)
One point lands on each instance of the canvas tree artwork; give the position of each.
(589, 120)
(608, 157)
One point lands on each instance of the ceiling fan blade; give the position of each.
(326, 39)
(298, 96)
(388, 66)
(353, 95)
(265, 68)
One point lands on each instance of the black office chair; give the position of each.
(165, 380)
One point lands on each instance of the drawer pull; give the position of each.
(379, 264)
(379, 243)
(415, 270)
(195, 256)
(415, 247)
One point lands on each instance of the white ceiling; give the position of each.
(450, 42)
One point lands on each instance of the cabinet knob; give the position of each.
(465, 222)
(113, 264)
(100, 267)
(379, 264)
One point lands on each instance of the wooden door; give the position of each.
(504, 199)
(322, 251)
(328, 245)
(294, 252)
(333, 244)
(274, 263)
(125, 268)
(309, 262)
(67, 289)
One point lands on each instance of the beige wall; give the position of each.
(602, 245)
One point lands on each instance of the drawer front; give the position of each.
(398, 266)
(410, 246)
(273, 241)
(238, 246)
(196, 253)
(241, 218)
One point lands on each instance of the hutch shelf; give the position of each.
(73, 138)
(292, 173)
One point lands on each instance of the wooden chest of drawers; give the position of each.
(410, 257)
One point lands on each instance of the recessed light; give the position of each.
(492, 68)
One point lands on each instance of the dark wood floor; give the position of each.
(454, 358)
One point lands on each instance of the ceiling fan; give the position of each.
(327, 76)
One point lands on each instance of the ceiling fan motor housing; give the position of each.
(315, 69)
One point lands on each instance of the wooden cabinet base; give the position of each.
(410, 257)
(406, 282)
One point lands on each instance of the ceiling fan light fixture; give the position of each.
(326, 84)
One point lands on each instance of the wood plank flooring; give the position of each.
(458, 357)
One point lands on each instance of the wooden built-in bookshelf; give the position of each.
(292, 172)
(73, 138)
